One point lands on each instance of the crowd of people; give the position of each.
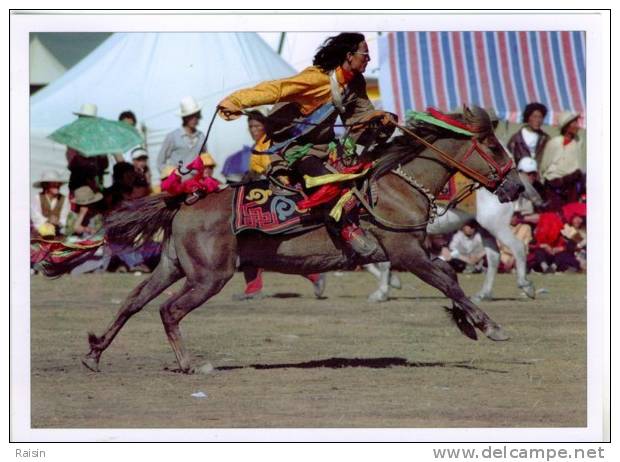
(553, 232)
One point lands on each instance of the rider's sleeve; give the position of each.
(310, 88)
(164, 152)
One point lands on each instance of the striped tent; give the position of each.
(500, 70)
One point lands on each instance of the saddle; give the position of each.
(259, 206)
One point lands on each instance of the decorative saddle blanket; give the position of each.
(257, 207)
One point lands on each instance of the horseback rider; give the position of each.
(307, 105)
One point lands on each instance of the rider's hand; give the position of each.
(284, 180)
(228, 110)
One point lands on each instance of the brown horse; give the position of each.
(200, 246)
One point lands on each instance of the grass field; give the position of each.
(290, 360)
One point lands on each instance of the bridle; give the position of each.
(491, 180)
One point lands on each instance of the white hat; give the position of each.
(189, 106)
(88, 110)
(567, 117)
(49, 176)
(527, 165)
(138, 152)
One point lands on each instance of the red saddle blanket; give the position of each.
(258, 208)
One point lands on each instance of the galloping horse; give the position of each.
(200, 246)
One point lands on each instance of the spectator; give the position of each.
(140, 160)
(528, 171)
(86, 171)
(563, 164)
(183, 143)
(530, 140)
(466, 250)
(574, 231)
(129, 118)
(88, 222)
(49, 209)
(551, 251)
(257, 126)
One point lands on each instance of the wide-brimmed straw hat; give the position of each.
(84, 195)
(49, 176)
(567, 117)
(188, 107)
(208, 160)
(87, 110)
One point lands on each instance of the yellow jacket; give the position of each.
(310, 89)
(260, 162)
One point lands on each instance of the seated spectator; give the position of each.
(528, 171)
(551, 252)
(86, 171)
(574, 231)
(49, 209)
(122, 189)
(466, 250)
(563, 164)
(530, 140)
(437, 245)
(87, 223)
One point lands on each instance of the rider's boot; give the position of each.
(352, 234)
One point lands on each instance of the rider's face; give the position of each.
(359, 59)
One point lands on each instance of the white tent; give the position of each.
(44, 67)
(149, 73)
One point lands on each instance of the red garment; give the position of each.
(323, 195)
(175, 185)
(574, 208)
(548, 230)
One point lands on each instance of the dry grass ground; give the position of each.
(436, 376)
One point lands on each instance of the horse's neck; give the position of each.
(429, 171)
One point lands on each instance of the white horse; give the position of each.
(494, 217)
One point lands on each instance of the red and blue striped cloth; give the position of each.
(503, 70)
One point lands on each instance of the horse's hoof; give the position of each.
(395, 282)
(496, 333)
(91, 363)
(529, 290)
(378, 297)
(319, 286)
(481, 298)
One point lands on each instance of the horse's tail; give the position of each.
(137, 222)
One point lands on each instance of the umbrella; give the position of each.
(93, 136)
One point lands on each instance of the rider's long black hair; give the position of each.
(334, 50)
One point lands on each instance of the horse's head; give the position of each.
(488, 158)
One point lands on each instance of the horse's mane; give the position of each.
(403, 149)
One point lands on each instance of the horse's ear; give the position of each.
(467, 113)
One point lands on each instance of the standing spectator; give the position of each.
(49, 209)
(466, 250)
(183, 143)
(140, 160)
(86, 171)
(563, 165)
(530, 140)
(129, 118)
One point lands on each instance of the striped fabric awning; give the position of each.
(500, 70)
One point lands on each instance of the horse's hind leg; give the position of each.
(166, 274)
(435, 274)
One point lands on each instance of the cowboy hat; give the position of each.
(567, 117)
(87, 110)
(84, 195)
(189, 106)
(49, 176)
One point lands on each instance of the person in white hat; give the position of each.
(563, 164)
(49, 209)
(183, 143)
(87, 110)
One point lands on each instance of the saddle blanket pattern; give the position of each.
(256, 207)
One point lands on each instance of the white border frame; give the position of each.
(596, 25)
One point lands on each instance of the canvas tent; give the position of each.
(44, 67)
(149, 73)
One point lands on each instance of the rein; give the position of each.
(468, 171)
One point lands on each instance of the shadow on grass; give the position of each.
(371, 363)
